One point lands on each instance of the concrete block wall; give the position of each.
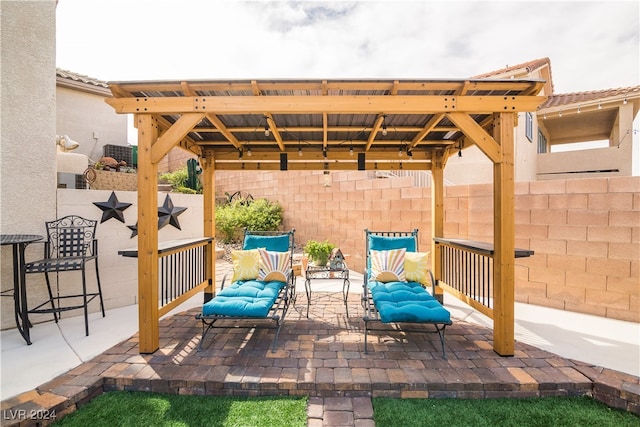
(585, 232)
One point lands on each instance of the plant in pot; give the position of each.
(318, 252)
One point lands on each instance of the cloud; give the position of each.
(592, 45)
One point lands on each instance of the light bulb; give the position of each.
(266, 131)
(384, 130)
(351, 151)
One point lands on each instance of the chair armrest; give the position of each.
(224, 280)
(433, 283)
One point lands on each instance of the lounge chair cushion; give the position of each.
(271, 243)
(274, 265)
(246, 264)
(416, 267)
(388, 266)
(385, 243)
(406, 302)
(251, 298)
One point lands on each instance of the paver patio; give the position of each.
(323, 357)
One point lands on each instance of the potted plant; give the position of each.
(318, 252)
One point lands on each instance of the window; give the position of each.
(529, 126)
(542, 143)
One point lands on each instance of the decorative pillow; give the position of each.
(246, 264)
(416, 267)
(388, 266)
(278, 243)
(274, 266)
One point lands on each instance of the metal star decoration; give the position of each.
(168, 214)
(134, 230)
(112, 208)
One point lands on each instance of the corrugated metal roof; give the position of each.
(327, 116)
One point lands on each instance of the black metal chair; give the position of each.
(71, 244)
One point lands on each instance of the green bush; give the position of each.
(259, 215)
(178, 180)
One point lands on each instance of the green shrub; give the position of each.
(178, 180)
(259, 215)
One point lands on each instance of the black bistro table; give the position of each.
(19, 242)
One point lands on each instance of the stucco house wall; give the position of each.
(88, 120)
(28, 115)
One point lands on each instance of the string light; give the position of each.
(248, 150)
(267, 132)
(384, 126)
(299, 149)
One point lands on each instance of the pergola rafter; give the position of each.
(327, 125)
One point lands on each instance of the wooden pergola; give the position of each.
(326, 125)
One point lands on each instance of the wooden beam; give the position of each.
(271, 124)
(148, 320)
(437, 216)
(224, 130)
(173, 135)
(209, 223)
(374, 131)
(504, 238)
(477, 134)
(321, 165)
(344, 104)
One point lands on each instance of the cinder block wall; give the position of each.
(585, 232)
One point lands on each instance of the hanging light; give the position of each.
(267, 132)
(410, 154)
(579, 109)
(384, 126)
(299, 149)
(625, 100)
(248, 150)
(351, 149)
(599, 106)
(240, 153)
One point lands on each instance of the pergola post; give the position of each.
(147, 235)
(437, 216)
(209, 226)
(504, 237)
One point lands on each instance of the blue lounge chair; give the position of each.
(395, 280)
(262, 286)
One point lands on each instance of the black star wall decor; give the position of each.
(134, 230)
(168, 214)
(112, 208)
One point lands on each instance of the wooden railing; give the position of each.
(182, 270)
(466, 269)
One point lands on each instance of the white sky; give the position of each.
(591, 45)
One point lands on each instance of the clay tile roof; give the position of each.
(528, 66)
(80, 78)
(591, 96)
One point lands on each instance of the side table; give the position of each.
(325, 272)
(19, 242)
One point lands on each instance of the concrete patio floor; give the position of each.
(557, 353)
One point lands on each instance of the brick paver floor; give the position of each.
(323, 357)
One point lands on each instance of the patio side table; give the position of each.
(325, 272)
(19, 242)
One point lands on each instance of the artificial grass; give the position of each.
(138, 409)
(544, 411)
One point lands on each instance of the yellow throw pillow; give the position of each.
(246, 264)
(388, 266)
(416, 267)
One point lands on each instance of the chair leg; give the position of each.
(84, 300)
(53, 306)
(99, 289)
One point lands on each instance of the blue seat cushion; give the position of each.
(251, 298)
(406, 302)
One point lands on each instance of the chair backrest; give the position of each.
(276, 241)
(71, 236)
(387, 240)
